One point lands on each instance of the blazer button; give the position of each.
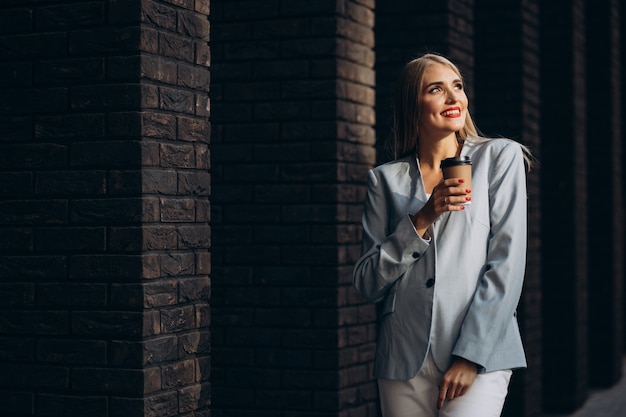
(415, 255)
(430, 283)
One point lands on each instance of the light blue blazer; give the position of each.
(457, 293)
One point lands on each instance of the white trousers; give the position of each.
(418, 396)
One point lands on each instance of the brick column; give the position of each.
(564, 205)
(104, 211)
(604, 176)
(293, 114)
(507, 104)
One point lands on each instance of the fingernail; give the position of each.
(461, 181)
(467, 190)
(468, 198)
(462, 207)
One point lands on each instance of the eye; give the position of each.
(458, 86)
(434, 90)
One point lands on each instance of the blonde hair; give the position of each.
(406, 113)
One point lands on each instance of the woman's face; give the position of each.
(443, 103)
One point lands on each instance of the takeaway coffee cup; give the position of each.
(458, 167)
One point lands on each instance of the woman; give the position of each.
(448, 274)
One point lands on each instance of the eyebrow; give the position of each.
(456, 80)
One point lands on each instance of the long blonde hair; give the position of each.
(406, 113)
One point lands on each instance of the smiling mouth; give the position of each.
(451, 113)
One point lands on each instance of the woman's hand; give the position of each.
(448, 195)
(457, 380)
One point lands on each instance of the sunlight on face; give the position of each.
(443, 103)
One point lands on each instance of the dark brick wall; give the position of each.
(293, 114)
(104, 273)
(507, 104)
(104, 197)
(564, 235)
(605, 221)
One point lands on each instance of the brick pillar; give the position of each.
(507, 59)
(563, 205)
(104, 212)
(604, 167)
(406, 29)
(292, 114)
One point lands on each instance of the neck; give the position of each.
(432, 152)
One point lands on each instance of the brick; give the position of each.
(17, 349)
(69, 70)
(193, 25)
(194, 343)
(159, 15)
(161, 404)
(203, 262)
(179, 156)
(177, 264)
(177, 210)
(17, 294)
(33, 156)
(16, 74)
(253, 50)
(109, 210)
(33, 268)
(128, 407)
(33, 212)
(39, 45)
(194, 237)
(178, 374)
(70, 182)
(69, 16)
(159, 181)
(17, 402)
(159, 238)
(190, 397)
(194, 129)
(106, 267)
(124, 68)
(177, 319)
(73, 405)
(100, 154)
(127, 182)
(92, 352)
(203, 107)
(107, 323)
(283, 28)
(71, 295)
(151, 125)
(12, 128)
(107, 380)
(193, 289)
(126, 239)
(160, 293)
(17, 376)
(118, 97)
(176, 100)
(203, 54)
(103, 40)
(175, 46)
(76, 239)
(275, 69)
(163, 349)
(127, 295)
(149, 40)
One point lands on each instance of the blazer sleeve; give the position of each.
(493, 306)
(387, 251)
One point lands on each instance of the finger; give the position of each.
(442, 396)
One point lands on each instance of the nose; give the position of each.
(452, 95)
